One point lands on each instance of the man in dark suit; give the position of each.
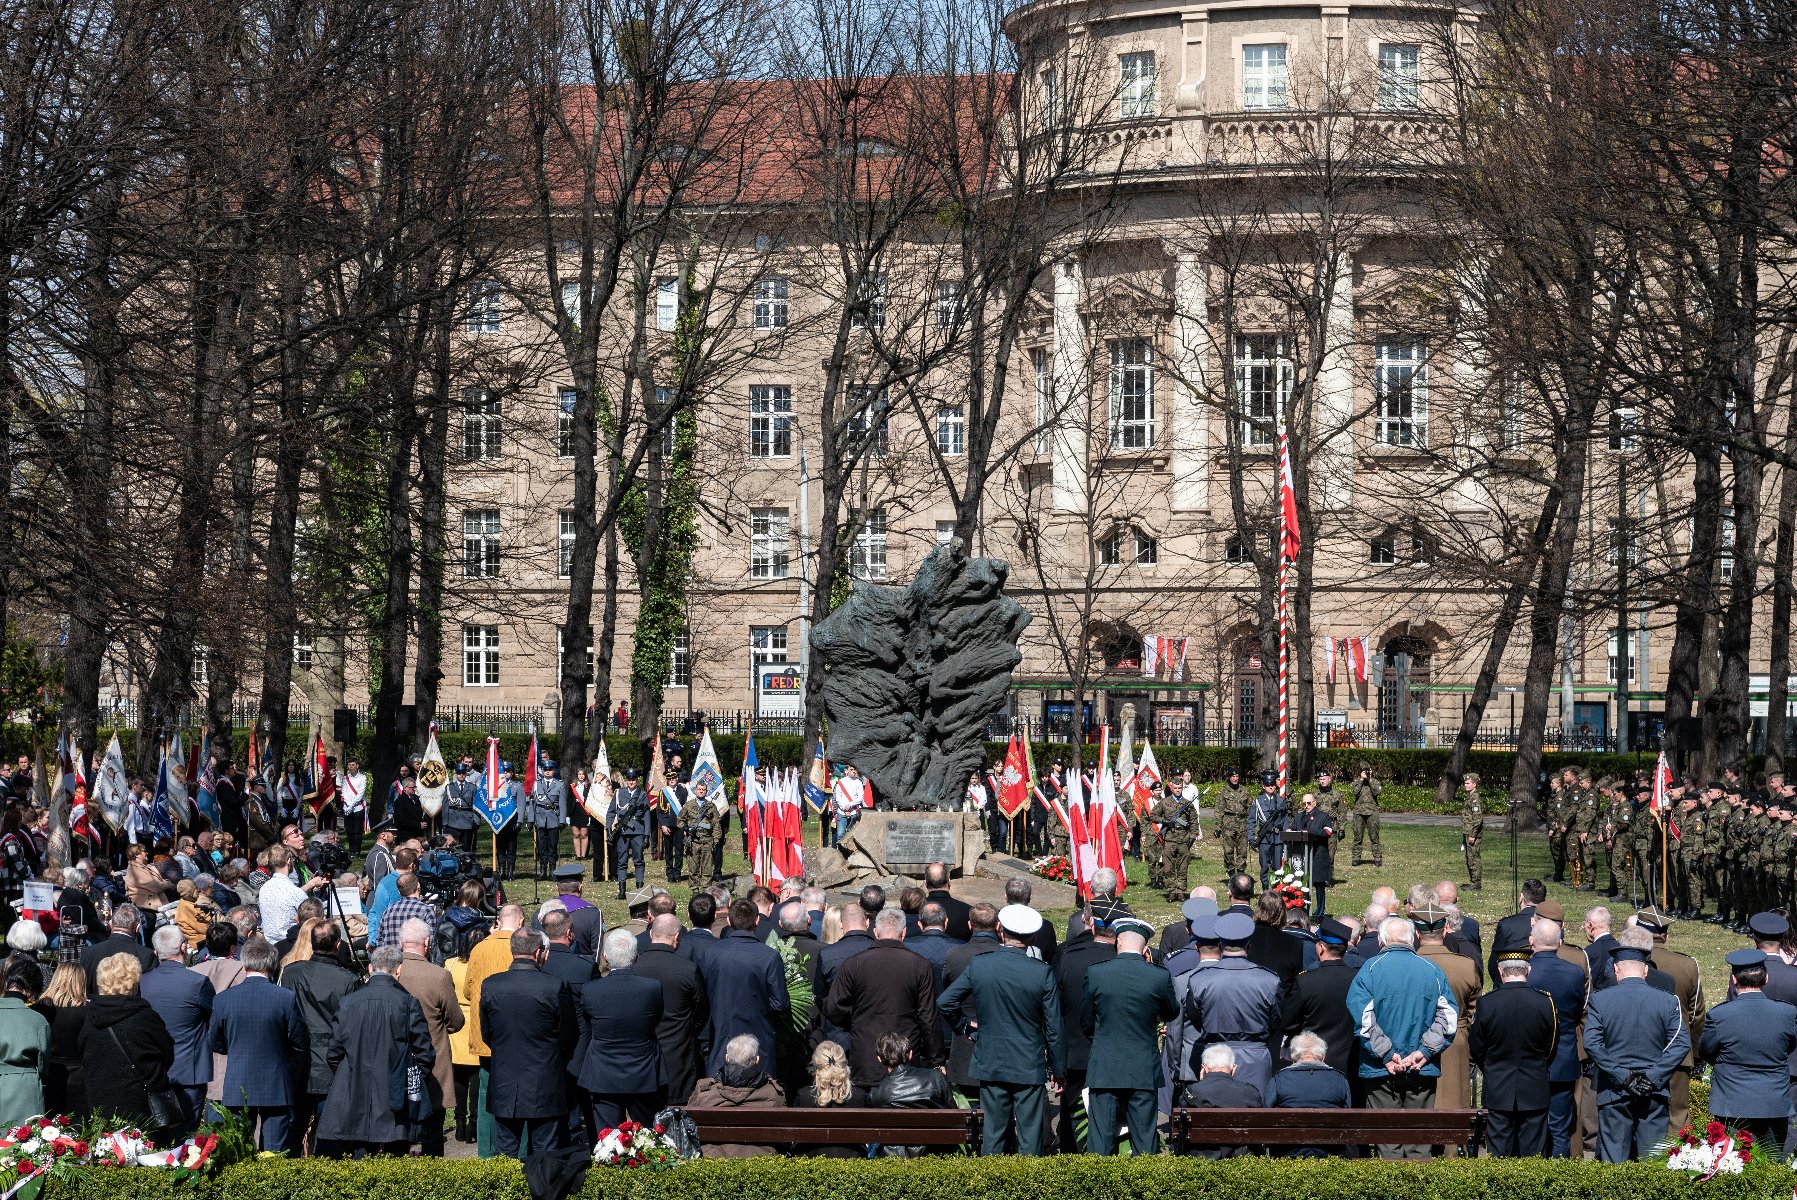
(1318, 1002)
(1566, 984)
(857, 938)
(1078, 955)
(1123, 1002)
(619, 1064)
(528, 1021)
(258, 1028)
(1600, 944)
(886, 989)
(983, 920)
(74, 895)
(935, 881)
(1310, 1082)
(1218, 1087)
(1014, 999)
(1749, 1042)
(1635, 1038)
(1019, 891)
(1512, 932)
(565, 962)
(684, 1006)
(122, 939)
(932, 940)
(745, 985)
(1513, 1043)
(182, 997)
(699, 934)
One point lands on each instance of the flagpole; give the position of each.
(1284, 638)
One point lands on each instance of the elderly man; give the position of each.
(619, 1064)
(1635, 1038)
(434, 990)
(738, 1082)
(120, 939)
(1318, 1002)
(528, 1021)
(1219, 1087)
(1404, 1014)
(1123, 1003)
(258, 1028)
(1233, 1001)
(1514, 1045)
(685, 1007)
(182, 997)
(357, 1118)
(1454, 1088)
(1563, 981)
(886, 989)
(745, 984)
(1310, 1082)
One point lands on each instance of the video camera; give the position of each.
(327, 858)
(441, 873)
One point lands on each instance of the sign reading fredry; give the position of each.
(779, 691)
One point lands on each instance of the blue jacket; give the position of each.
(619, 1052)
(1749, 1040)
(1308, 1085)
(1401, 1003)
(1630, 1027)
(257, 1026)
(1237, 1003)
(182, 997)
(1550, 973)
(746, 985)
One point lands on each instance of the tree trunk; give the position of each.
(1778, 634)
(433, 456)
(1693, 609)
(393, 632)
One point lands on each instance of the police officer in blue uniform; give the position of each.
(1635, 1037)
(1749, 1041)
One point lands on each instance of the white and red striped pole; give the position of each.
(1287, 552)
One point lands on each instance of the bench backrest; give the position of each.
(836, 1126)
(1326, 1126)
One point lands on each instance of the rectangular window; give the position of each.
(1614, 534)
(870, 304)
(480, 425)
(867, 558)
(1625, 429)
(1110, 550)
(1132, 394)
(770, 302)
(564, 544)
(484, 314)
(1135, 85)
(1235, 551)
(1611, 664)
(945, 532)
(1263, 76)
(870, 419)
(667, 303)
(770, 421)
(767, 644)
(1263, 385)
(1401, 386)
(561, 648)
(1051, 99)
(1147, 552)
(1042, 366)
(1383, 551)
(770, 532)
(302, 649)
(198, 667)
(564, 423)
(951, 431)
(571, 303)
(480, 656)
(1400, 76)
(680, 663)
(948, 303)
(480, 543)
(1725, 549)
(1509, 422)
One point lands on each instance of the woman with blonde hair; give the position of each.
(144, 884)
(832, 928)
(302, 943)
(831, 1087)
(194, 913)
(63, 1003)
(125, 1048)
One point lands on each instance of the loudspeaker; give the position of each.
(343, 725)
(404, 718)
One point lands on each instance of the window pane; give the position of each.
(770, 421)
(667, 304)
(564, 550)
(564, 423)
(1399, 74)
(1042, 365)
(1263, 76)
(769, 534)
(480, 425)
(1263, 384)
(1135, 85)
(870, 418)
(1132, 394)
(1401, 383)
(770, 303)
(951, 431)
(867, 559)
(480, 656)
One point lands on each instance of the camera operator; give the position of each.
(379, 863)
(324, 855)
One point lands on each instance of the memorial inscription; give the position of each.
(919, 842)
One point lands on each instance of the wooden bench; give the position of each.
(1194, 1128)
(790, 1130)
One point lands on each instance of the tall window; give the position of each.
(302, 649)
(564, 423)
(1263, 76)
(670, 427)
(951, 431)
(1051, 99)
(767, 645)
(770, 421)
(945, 532)
(1725, 549)
(1147, 551)
(564, 544)
(480, 656)
(1625, 426)
(680, 663)
(1235, 551)
(1042, 367)
(770, 302)
(1611, 664)
(769, 539)
(571, 303)
(484, 314)
(1383, 551)
(1400, 76)
(480, 543)
(198, 667)
(667, 303)
(948, 303)
(870, 304)
(1401, 384)
(1263, 384)
(1135, 85)
(1132, 394)
(867, 558)
(1509, 418)
(480, 425)
(870, 418)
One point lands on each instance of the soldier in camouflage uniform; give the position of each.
(1618, 841)
(1472, 831)
(1559, 809)
(1366, 813)
(1784, 841)
(1233, 802)
(699, 825)
(1333, 801)
(1644, 830)
(1179, 829)
(1585, 830)
(1729, 845)
(1687, 862)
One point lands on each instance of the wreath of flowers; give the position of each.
(1057, 867)
(634, 1144)
(1288, 884)
(57, 1146)
(1719, 1150)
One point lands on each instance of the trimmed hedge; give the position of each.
(1072, 1178)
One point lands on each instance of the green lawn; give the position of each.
(1413, 853)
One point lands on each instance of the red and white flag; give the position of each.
(1179, 665)
(1106, 841)
(1356, 647)
(1289, 540)
(1329, 658)
(1662, 801)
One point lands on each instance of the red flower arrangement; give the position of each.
(1057, 867)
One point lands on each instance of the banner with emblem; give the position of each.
(433, 777)
(176, 799)
(707, 767)
(112, 794)
(597, 798)
(498, 806)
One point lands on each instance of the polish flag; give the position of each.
(1329, 656)
(1289, 540)
(1106, 842)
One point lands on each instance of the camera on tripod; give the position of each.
(328, 858)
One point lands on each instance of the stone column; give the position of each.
(1332, 473)
(1072, 389)
(1189, 427)
(1194, 31)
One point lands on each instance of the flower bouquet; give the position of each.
(30, 1152)
(1718, 1150)
(633, 1144)
(1057, 867)
(1289, 885)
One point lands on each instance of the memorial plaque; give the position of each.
(920, 841)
